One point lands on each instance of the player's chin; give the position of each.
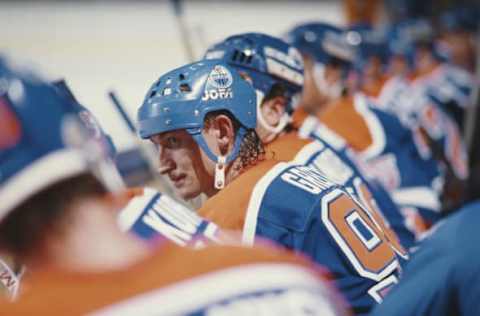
(188, 193)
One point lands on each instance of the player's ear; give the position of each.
(224, 132)
(273, 109)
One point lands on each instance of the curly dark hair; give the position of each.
(251, 150)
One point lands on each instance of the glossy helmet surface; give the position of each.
(181, 99)
(42, 141)
(267, 60)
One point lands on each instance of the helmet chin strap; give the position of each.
(284, 120)
(333, 91)
(219, 181)
(220, 161)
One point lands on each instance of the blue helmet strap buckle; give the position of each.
(220, 161)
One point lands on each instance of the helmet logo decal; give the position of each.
(219, 84)
(220, 78)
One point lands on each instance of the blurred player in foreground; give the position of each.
(202, 118)
(443, 276)
(149, 215)
(58, 215)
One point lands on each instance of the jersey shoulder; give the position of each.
(151, 216)
(457, 234)
(443, 273)
(228, 207)
(343, 118)
(159, 282)
(286, 197)
(285, 147)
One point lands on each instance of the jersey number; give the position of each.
(361, 239)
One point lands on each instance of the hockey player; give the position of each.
(276, 71)
(421, 103)
(441, 278)
(388, 148)
(202, 118)
(148, 214)
(459, 27)
(58, 217)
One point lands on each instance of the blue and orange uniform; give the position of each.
(297, 207)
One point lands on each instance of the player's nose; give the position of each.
(165, 161)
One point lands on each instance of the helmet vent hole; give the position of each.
(153, 93)
(185, 87)
(166, 91)
(249, 59)
(235, 55)
(242, 57)
(181, 77)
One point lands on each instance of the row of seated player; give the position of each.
(334, 176)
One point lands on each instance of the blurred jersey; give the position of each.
(178, 281)
(152, 216)
(297, 207)
(391, 153)
(9, 277)
(423, 102)
(450, 87)
(443, 276)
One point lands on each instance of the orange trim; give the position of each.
(344, 120)
(228, 207)
(286, 147)
(298, 117)
(57, 292)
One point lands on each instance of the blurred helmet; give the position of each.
(183, 97)
(463, 18)
(42, 141)
(93, 127)
(367, 43)
(325, 43)
(405, 37)
(269, 62)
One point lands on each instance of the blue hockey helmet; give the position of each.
(268, 61)
(367, 43)
(462, 18)
(42, 141)
(91, 123)
(325, 43)
(181, 99)
(327, 46)
(406, 36)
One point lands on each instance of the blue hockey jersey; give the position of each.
(331, 155)
(443, 276)
(300, 209)
(391, 154)
(424, 103)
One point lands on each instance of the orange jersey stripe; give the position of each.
(228, 207)
(287, 146)
(54, 292)
(343, 119)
